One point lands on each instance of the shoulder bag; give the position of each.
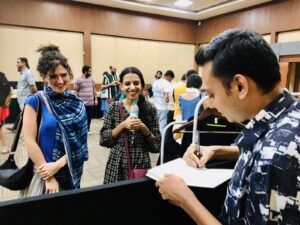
(11, 176)
(132, 173)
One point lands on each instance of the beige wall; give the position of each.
(22, 42)
(267, 37)
(289, 36)
(148, 56)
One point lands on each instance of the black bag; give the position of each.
(11, 176)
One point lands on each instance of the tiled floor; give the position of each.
(94, 168)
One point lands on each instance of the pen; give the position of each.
(198, 153)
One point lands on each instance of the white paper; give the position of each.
(207, 178)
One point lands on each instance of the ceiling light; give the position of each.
(183, 3)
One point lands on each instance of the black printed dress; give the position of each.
(139, 147)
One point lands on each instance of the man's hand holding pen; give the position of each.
(192, 158)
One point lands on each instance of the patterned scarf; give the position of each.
(71, 133)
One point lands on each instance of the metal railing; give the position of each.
(196, 138)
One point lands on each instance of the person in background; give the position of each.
(115, 88)
(85, 88)
(178, 90)
(170, 99)
(108, 91)
(103, 97)
(191, 97)
(242, 79)
(161, 90)
(157, 76)
(26, 86)
(61, 149)
(5, 98)
(145, 133)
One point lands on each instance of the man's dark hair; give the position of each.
(24, 60)
(189, 72)
(85, 68)
(158, 71)
(194, 81)
(241, 51)
(169, 73)
(183, 78)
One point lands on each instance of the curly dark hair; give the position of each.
(51, 57)
(145, 108)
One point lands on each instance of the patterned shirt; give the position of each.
(265, 186)
(26, 80)
(109, 92)
(85, 87)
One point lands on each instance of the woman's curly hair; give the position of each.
(51, 57)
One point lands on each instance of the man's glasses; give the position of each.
(55, 76)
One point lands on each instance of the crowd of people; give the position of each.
(264, 188)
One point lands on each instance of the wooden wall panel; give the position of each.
(277, 16)
(267, 37)
(289, 36)
(9, 53)
(127, 53)
(124, 24)
(284, 71)
(148, 59)
(42, 14)
(92, 19)
(148, 56)
(23, 42)
(183, 65)
(103, 55)
(74, 16)
(168, 57)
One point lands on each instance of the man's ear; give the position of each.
(240, 85)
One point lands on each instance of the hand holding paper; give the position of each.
(207, 178)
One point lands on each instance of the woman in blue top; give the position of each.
(191, 97)
(61, 149)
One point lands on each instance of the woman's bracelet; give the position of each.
(149, 134)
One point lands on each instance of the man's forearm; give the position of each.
(198, 212)
(104, 86)
(226, 152)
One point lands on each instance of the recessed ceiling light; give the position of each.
(183, 3)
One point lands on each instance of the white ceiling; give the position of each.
(199, 10)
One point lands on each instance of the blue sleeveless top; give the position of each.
(188, 106)
(47, 127)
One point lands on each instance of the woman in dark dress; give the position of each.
(143, 132)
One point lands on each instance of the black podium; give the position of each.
(134, 202)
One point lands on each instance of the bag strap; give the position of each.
(20, 125)
(125, 138)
